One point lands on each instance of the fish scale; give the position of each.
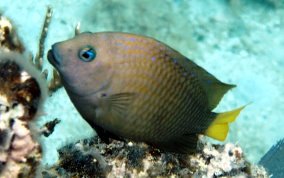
(169, 79)
(138, 88)
(164, 94)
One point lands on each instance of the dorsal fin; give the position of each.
(214, 88)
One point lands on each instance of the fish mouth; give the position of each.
(52, 58)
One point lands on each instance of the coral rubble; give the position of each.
(19, 86)
(22, 90)
(19, 98)
(90, 157)
(48, 127)
(19, 153)
(224, 161)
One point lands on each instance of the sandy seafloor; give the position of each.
(238, 41)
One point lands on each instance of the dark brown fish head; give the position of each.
(83, 63)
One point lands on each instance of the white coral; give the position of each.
(18, 144)
(218, 162)
(4, 24)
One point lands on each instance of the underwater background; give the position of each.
(238, 41)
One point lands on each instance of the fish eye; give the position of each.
(87, 54)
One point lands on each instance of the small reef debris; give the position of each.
(92, 158)
(9, 41)
(77, 29)
(48, 127)
(39, 56)
(55, 81)
(273, 160)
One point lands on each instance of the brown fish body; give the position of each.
(139, 88)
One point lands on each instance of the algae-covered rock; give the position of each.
(92, 158)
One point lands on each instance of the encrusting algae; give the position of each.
(90, 157)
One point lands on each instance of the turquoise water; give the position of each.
(239, 42)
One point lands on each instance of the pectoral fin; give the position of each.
(119, 103)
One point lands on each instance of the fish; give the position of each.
(133, 87)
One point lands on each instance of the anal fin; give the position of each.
(185, 144)
(104, 134)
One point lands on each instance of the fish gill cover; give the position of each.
(239, 41)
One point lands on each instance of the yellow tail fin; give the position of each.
(220, 126)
